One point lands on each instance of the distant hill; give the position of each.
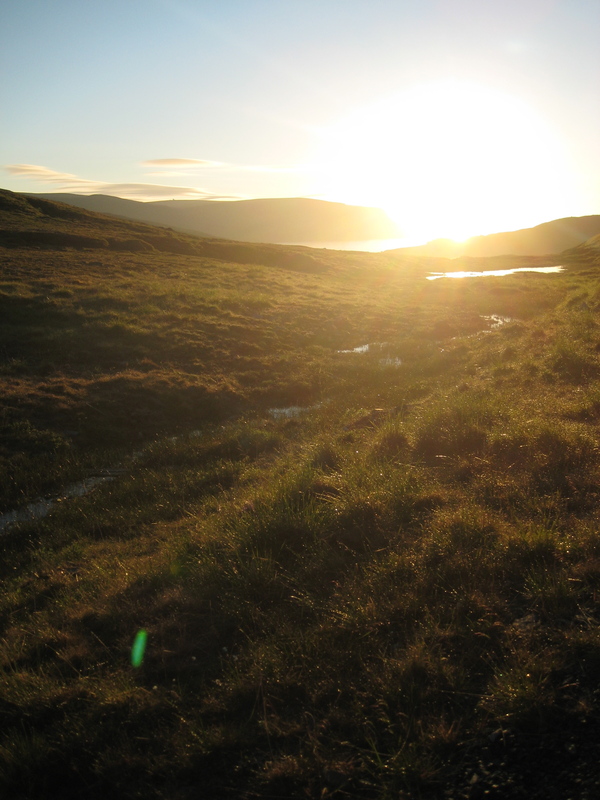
(549, 237)
(306, 220)
(32, 221)
(279, 220)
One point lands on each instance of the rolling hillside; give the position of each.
(549, 237)
(293, 524)
(306, 220)
(270, 220)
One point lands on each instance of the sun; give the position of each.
(447, 159)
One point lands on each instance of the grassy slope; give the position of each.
(549, 237)
(351, 603)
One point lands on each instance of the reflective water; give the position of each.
(368, 245)
(390, 362)
(491, 272)
(363, 348)
(367, 348)
(497, 321)
(287, 413)
(41, 508)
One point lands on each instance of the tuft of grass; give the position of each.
(456, 426)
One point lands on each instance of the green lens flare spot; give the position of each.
(139, 648)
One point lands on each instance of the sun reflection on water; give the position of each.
(492, 272)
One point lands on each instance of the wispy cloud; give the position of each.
(187, 166)
(173, 167)
(68, 182)
(38, 173)
(182, 168)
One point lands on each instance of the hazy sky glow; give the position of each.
(457, 116)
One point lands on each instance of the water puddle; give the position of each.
(366, 348)
(363, 348)
(290, 412)
(498, 273)
(41, 508)
(287, 413)
(374, 346)
(496, 321)
(390, 362)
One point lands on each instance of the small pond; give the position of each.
(287, 413)
(363, 348)
(497, 321)
(374, 347)
(498, 273)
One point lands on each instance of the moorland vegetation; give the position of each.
(359, 572)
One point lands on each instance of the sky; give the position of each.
(457, 117)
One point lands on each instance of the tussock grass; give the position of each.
(370, 597)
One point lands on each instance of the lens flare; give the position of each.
(139, 648)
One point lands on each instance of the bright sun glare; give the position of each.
(448, 159)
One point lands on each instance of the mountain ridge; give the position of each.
(32, 221)
(298, 220)
(274, 220)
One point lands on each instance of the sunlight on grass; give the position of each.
(368, 597)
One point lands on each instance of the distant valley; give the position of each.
(304, 220)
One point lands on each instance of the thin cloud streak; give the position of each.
(68, 182)
(191, 166)
(35, 172)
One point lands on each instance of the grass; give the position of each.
(382, 595)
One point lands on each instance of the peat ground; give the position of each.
(393, 591)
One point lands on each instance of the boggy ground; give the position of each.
(391, 594)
